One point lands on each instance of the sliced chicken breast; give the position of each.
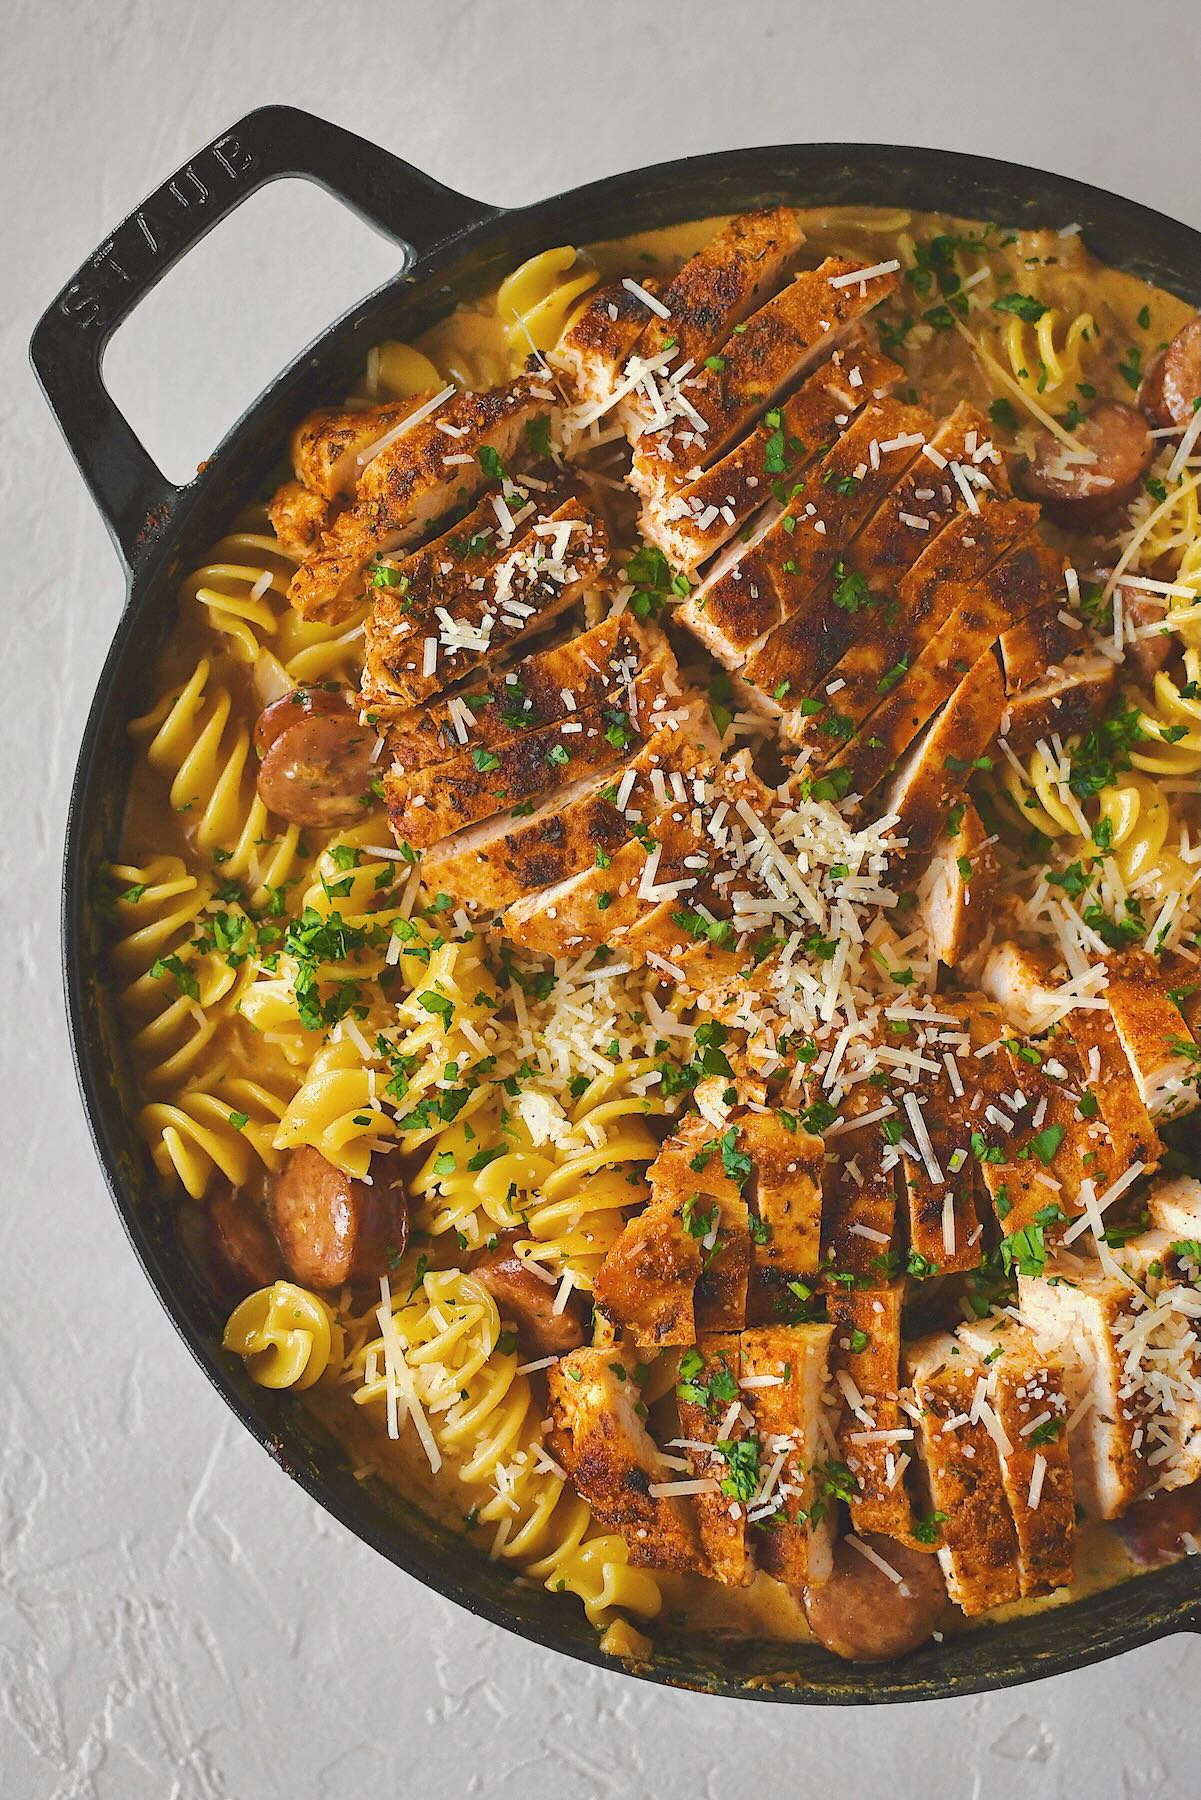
(1174, 1205)
(741, 602)
(960, 555)
(1041, 641)
(574, 828)
(934, 775)
(1026, 1393)
(452, 608)
(691, 522)
(327, 446)
(974, 620)
(784, 668)
(1131, 1377)
(298, 517)
(430, 803)
(711, 407)
(595, 669)
(597, 343)
(1064, 701)
(722, 284)
(961, 1462)
(1159, 1047)
(788, 1367)
(411, 482)
(859, 1198)
(875, 1438)
(704, 1394)
(614, 1462)
(956, 895)
(785, 1190)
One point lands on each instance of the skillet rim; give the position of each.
(149, 567)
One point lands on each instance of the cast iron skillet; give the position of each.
(450, 247)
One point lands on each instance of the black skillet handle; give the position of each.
(67, 347)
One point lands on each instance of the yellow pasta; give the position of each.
(245, 573)
(223, 1124)
(484, 1420)
(287, 1336)
(536, 302)
(1171, 721)
(173, 998)
(1047, 358)
(397, 371)
(194, 737)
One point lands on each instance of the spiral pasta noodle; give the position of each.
(1170, 718)
(535, 303)
(173, 998)
(222, 1124)
(287, 1336)
(193, 737)
(1047, 356)
(484, 1419)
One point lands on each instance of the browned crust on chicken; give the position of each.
(1151, 1029)
(298, 517)
(777, 344)
(960, 555)
(594, 668)
(963, 1469)
(956, 898)
(499, 861)
(1132, 1134)
(890, 543)
(936, 773)
(787, 1415)
(613, 1461)
(722, 1524)
(409, 485)
(857, 1192)
(602, 335)
(327, 444)
(1041, 641)
(691, 522)
(785, 1190)
(866, 1348)
(1063, 702)
(475, 783)
(727, 278)
(1006, 593)
(645, 1284)
(462, 580)
(777, 575)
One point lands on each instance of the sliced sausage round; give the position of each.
(862, 1615)
(528, 1301)
(1076, 494)
(1172, 383)
(332, 1229)
(1147, 654)
(297, 704)
(1154, 1530)
(230, 1244)
(246, 1254)
(318, 769)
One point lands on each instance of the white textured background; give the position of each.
(176, 1619)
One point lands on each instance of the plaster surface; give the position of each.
(177, 1620)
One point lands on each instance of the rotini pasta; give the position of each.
(287, 1337)
(193, 737)
(537, 300)
(485, 1421)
